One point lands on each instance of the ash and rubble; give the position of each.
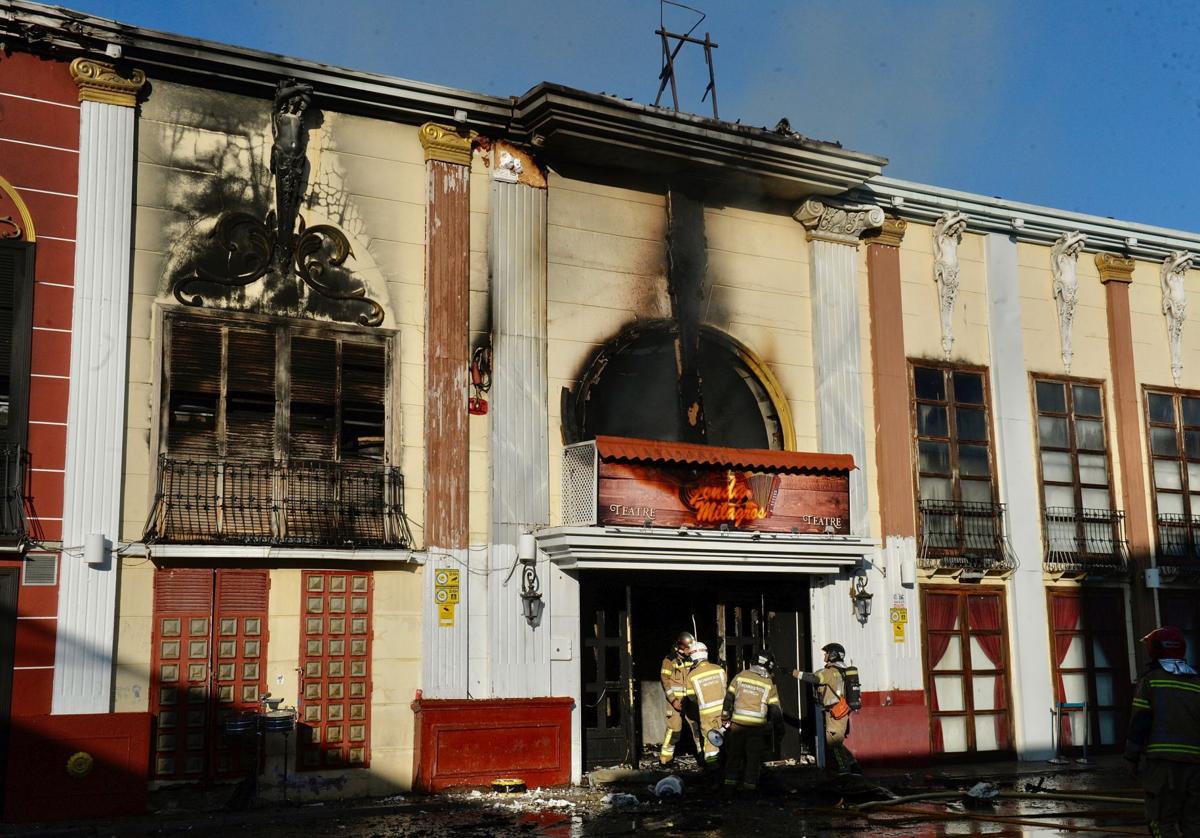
(796, 799)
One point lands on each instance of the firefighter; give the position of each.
(706, 684)
(831, 691)
(750, 710)
(673, 675)
(1164, 735)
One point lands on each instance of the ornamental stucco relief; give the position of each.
(1064, 261)
(947, 236)
(1174, 304)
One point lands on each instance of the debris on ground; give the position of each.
(616, 798)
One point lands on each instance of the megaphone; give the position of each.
(716, 736)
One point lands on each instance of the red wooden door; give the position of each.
(209, 654)
(335, 651)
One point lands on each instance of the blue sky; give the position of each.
(1085, 105)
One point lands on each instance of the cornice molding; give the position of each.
(99, 81)
(891, 234)
(1115, 268)
(446, 143)
(826, 219)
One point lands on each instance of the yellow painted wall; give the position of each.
(368, 178)
(922, 324)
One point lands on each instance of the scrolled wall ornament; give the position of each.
(1064, 259)
(10, 229)
(99, 81)
(947, 236)
(1174, 304)
(244, 249)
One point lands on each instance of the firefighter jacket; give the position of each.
(674, 678)
(751, 699)
(706, 681)
(831, 686)
(1165, 721)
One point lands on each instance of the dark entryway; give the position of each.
(630, 620)
(9, 579)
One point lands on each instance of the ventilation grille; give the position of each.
(183, 590)
(242, 590)
(579, 484)
(40, 569)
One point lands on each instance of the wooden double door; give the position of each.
(209, 662)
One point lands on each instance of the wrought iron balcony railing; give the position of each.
(14, 468)
(1085, 540)
(1178, 543)
(959, 535)
(300, 503)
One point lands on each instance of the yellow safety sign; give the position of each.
(444, 595)
(445, 578)
(446, 614)
(899, 615)
(898, 632)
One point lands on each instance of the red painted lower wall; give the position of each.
(471, 743)
(890, 727)
(39, 786)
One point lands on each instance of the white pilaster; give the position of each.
(519, 653)
(96, 412)
(1029, 645)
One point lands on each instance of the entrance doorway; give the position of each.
(631, 620)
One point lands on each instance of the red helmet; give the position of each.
(1165, 642)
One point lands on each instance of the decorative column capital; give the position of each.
(1115, 268)
(445, 143)
(891, 234)
(99, 81)
(828, 219)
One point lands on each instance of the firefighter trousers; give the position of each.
(837, 755)
(745, 746)
(1172, 797)
(677, 723)
(710, 722)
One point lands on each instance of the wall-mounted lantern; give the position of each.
(532, 604)
(861, 597)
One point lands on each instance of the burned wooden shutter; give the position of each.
(363, 376)
(314, 380)
(194, 367)
(250, 394)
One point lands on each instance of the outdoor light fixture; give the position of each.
(861, 598)
(531, 587)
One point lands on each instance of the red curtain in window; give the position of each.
(1065, 612)
(985, 615)
(941, 613)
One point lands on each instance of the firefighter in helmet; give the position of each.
(1164, 735)
(751, 709)
(706, 684)
(673, 675)
(831, 690)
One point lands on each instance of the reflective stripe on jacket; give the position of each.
(1165, 720)
(706, 681)
(673, 675)
(749, 698)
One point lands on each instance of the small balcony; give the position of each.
(1085, 541)
(300, 503)
(1178, 544)
(964, 537)
(14, 471)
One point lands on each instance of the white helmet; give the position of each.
(699, 652)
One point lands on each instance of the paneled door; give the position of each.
(209, 662)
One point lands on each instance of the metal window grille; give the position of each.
(579, 474)
(297, 503)
(961, 535)
(1178, 543)
(14, 468)
(1085, 540)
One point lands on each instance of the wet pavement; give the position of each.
(1097, 799)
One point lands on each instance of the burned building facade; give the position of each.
(437, 416)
